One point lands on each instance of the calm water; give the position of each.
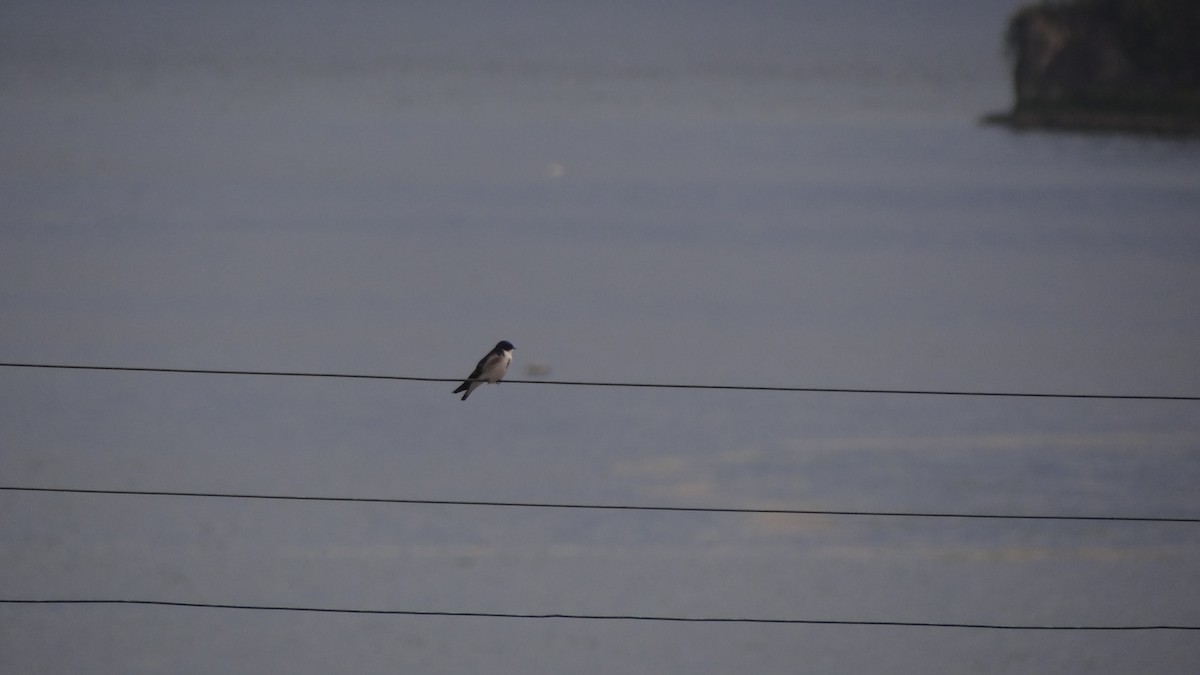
(769, 195)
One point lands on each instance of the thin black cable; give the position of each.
(642, 385)
(602, 617)
(595, 507)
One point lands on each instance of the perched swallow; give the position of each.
(489, 369)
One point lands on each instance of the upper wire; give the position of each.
(642, 385)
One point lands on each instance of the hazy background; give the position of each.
(758, 193)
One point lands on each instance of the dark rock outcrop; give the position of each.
(1106, 65)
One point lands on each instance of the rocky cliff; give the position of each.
(1119, 65)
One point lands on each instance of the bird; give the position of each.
(489, 369)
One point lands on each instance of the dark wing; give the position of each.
(473, 376)
(478, 369)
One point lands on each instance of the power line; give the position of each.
(596, 507)
(604, 617)
(641, 385)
